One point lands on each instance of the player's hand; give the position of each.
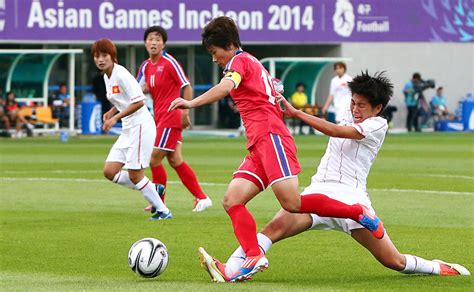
(179, 103)
(108, 124)
(107, 116)
(288, 110)
(185, 120)
(145, 88)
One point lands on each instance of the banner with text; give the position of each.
(263, 21)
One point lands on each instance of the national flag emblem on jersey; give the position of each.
(115, 89)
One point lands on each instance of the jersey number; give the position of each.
(152, 80)
(267, 81)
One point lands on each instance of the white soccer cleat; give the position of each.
(448, 269)
(202, 204)
(207, 262)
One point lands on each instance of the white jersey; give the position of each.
(348, 161)
(123, 90)
(342, 95)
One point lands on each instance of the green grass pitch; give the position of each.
(65, 227)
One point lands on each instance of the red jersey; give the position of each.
(165, 79)
(255, 98)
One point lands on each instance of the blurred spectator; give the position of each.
(424, 111)
(339, 99)
(299, 100)
(61, 105)
(387, 114)
(412, 103)
(4, 120)
(12, 109)
(439, 107)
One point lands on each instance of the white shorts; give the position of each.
(341, 193)
(134, 146)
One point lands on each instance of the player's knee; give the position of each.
(174, 162)
(230, 201)
(155, 160)
(227, 203)
(292, 206)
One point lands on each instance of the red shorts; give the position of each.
(168, 138)
(271, 159)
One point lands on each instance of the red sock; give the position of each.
(189, 179)
(158, 174)
(245, 229)
(324, 206)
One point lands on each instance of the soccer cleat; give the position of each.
(209, 264)
(160, 189)
(448, 269)
(369, 220)
(202, 204)
(161, 216)
(249, 267)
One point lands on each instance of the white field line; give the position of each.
(446, 176)
(372, 191)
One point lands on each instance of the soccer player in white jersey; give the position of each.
(340, 95)
(342, 175)
(134, 146)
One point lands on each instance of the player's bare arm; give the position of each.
(110, 113)
(216, 93)
(109, 123)
(321, 125)
(328, 103)
(187, 95)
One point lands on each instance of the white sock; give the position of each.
(150, 194)
(417, 265)
(123, 179)
(238, 257)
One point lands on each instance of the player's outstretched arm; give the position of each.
(321, 125)
(216, 93)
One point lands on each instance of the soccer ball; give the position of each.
(148, 257)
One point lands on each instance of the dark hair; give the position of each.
(159, 30)
(340, 64)
(440, 88)
(104, 46)
(7, 100)
(416, 76)
(300, 84)
(378, 89)
(221, 32)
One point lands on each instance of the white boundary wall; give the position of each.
(450, 64)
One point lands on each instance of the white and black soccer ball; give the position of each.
(148, 257)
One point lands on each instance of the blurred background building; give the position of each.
(432, 37)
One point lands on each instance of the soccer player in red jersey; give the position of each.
(164, 78)
(272, 152)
